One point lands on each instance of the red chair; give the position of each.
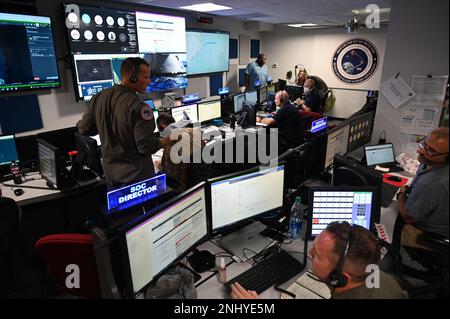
(61, 250)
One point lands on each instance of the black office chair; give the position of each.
(433, 278)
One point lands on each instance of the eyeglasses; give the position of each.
(423, 145)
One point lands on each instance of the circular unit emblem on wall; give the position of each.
(355, 61)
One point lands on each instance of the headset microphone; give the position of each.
(133, 77)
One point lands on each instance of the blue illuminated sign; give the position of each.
(134, 194)
(191, 97)
(224, 90)
(319, 125)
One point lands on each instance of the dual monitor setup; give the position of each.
(166, 234)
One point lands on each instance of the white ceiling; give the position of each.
(280, 11)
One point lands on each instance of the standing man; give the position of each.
(424, 205)
(125, 125)
(256, 70)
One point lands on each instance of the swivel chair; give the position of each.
(61, 250)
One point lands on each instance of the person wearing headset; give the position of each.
(125, 125)
(339, 257)
(424, 205)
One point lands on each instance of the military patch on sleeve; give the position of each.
(146, 113)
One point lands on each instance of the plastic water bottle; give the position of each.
(296, 218)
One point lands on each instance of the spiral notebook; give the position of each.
(305, 287)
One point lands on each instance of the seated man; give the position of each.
(424, 205)
(313, 101)
(177, 172)
(346, 250)
(286, 119)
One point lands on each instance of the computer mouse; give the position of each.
(394, 178)
(18, 191)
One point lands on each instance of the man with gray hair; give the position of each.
(286, 120)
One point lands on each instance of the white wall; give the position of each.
(417, 44)
(58, 106)
(314, 49)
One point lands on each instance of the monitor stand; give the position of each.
(246, 242)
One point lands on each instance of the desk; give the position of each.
(46, 211)
(210, 288)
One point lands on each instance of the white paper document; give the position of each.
(305, 287)
(430, 90)
(396, 91)
(419, 120)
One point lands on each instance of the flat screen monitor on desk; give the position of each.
(360, 131)
(251, 96)
(238, 197)
(52, 166)
(8, 150)
(347, 172)
(187, 112)
(157, 240)
(248, 115)
(263, 94)
(238, 99)
(337, 141)
(209, 111)
(355, 205)
(294, 91)
(88, 156)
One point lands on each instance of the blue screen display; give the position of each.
(8, 151)
(207, 51)
(134, 194)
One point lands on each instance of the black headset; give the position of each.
(336, 278)
(133, 77)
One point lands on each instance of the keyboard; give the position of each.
(274, 270)
(387, 194)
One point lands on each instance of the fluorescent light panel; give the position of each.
(206, 7)
(303, 25)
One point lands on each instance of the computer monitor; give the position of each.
(27, 53)
(379, 154)
(360, 131)
(251, 96)
(8, 150)
(237, 197)
(209, 111)
(248, 115)
(186, 112)
(52, 166)
(238, 100)
(337, 141)
(271, 87)
(294, 91)
(88, 156)
(281, 84)
(348, 172)
(355, 205)
(263, 94)
(161, 237)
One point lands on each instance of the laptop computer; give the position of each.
(382, 155)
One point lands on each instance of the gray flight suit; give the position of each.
(126, 126)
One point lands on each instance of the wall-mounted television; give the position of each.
(101, 38)
(27, 53)
(207, 51)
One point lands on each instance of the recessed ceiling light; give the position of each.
(206, 7)
(303, 25)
